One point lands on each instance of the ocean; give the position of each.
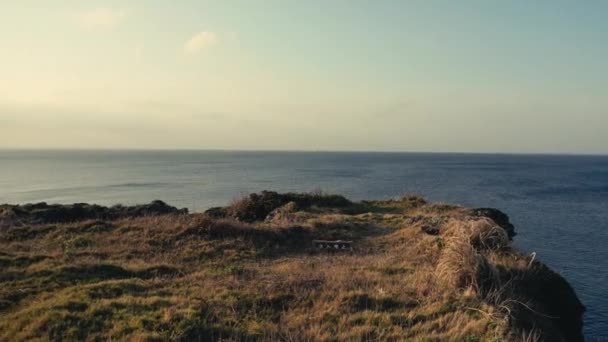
(558, 204)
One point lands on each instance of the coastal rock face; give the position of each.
(250, 271)
(497, 216)
(41, 213)
(553, 297)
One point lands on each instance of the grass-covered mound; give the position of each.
(418, 271)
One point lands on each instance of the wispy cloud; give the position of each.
(99, 18)
(200, 41)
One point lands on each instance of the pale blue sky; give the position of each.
(478, 76)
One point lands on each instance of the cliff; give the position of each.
(250, 271)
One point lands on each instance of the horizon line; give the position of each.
(130, 149)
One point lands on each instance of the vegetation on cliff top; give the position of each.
(248, 271)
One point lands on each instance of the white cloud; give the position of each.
(102, 18)
(200, 41)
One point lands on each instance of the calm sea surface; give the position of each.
(559, 204)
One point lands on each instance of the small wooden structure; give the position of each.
(333, 245)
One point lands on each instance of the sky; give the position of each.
(437, 76)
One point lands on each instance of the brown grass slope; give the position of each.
(247, 272)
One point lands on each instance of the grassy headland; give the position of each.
(418, 271)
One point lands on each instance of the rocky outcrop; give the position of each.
(42, 213)
(257, 206)
(497, 216)
(546, 302)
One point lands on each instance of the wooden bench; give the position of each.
(333, 245)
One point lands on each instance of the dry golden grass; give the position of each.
(193, 277)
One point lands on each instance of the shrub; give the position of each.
(461, 266)
(256, 207)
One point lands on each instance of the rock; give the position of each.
(430, 230)
(42, 213)
(497, 216)
(556, 307)
(257, 206)
(216, 212)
